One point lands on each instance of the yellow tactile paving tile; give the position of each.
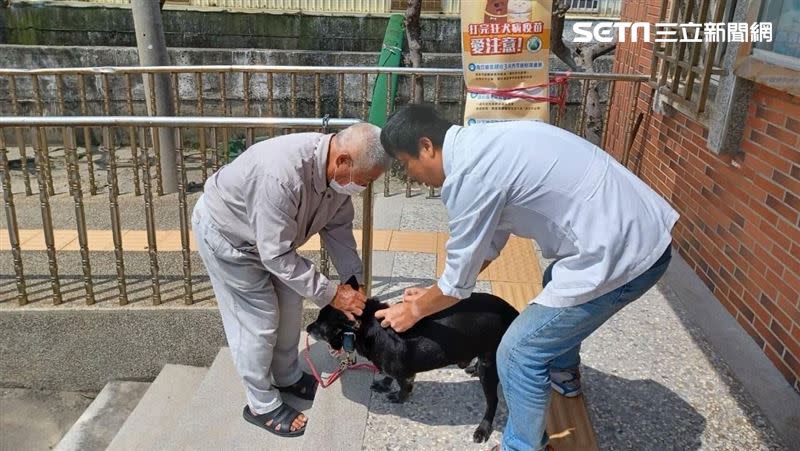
(170, 240)
(98, 240)
(24, 235)
(441, 257)
(568, 424)
(136, 240)
(516, 293)
(441, 252)
(166, 240)
(409, 241)
(517, 263)
(380, 239)
(313, 244)
(61, 239)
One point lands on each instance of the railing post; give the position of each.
(11, 222)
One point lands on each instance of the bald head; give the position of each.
(362, 142)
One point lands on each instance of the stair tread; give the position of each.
(101, 421)
(340, 413)
(213, 418)
(154, 419)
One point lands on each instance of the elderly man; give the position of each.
(608, 231)
(253, 216)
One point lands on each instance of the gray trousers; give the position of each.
(261, 315)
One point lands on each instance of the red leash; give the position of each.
(344, 365)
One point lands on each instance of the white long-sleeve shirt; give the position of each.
(602, 223)
(273, 198)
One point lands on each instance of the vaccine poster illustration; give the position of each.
(505, 51)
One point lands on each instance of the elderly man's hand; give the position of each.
(349, 301)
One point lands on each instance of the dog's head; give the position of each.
(331, 323)
(330, 327)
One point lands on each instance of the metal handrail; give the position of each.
(171, 121)
(357, 70)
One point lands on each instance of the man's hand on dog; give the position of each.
(414, 293)
(400, 316)
(349, 301)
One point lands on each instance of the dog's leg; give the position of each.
(406, 385)
(471, 368)
(487, 371)
(382, 385)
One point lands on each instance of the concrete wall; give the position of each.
(83, 348)
(44, 23)
(51, 23)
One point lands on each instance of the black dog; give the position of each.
(471, 328)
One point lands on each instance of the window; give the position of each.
(776, 63)
(581, 6)
(785, 18)
(686, 73)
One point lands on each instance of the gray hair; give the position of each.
(363, 142)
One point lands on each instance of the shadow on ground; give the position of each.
(656, 417)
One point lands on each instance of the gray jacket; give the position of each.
(273, 198)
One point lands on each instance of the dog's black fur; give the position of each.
(471, 328)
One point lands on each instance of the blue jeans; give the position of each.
(545, 338)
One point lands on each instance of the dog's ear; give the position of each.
(352, 282)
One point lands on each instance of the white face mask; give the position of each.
(351, 189)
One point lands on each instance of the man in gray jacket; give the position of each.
(253, 216)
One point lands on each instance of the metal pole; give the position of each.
(153, 52)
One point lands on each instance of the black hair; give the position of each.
(408, 124)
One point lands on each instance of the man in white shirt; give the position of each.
(609, 233)
(252, 217)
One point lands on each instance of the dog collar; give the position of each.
(349, 337)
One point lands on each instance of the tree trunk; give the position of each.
(593, 112)
(581, 59)
(557, 46)
(414, 38)
(152, 49)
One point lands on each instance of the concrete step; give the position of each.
(155, 418)
(340, 411)
(101, 421)
(213, 418)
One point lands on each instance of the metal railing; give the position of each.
(88, 141)
(246, 91)
(145, 130)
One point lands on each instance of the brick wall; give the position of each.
(740, 214)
